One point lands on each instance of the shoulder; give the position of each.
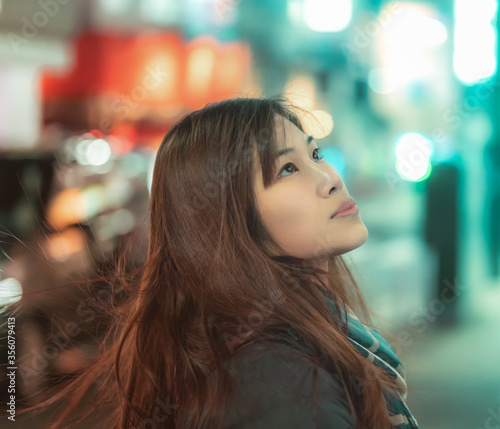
(274, 388)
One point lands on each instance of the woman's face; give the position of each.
(296, 208)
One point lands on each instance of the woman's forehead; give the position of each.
(285, 131)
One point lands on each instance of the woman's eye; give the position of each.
(316, 151)
(286, 166)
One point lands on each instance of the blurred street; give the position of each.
(453, 373)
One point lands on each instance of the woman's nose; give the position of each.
(330, 181)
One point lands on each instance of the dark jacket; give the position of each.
(274, 390)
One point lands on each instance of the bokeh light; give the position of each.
(318, 123)
(10, 291)
(327, 15)
(60, 246)
(413, 156)
(93, 152)
(475, 55)
(301, 91)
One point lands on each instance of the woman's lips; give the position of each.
(353, 210)
(347, 208)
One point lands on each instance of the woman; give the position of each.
(242, 315)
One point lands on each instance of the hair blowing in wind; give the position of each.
(211, 286)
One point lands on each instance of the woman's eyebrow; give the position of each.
(292, 149)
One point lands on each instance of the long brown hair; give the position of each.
(210, 286)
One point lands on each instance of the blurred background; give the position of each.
(406, 99)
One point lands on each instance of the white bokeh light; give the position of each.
(413, 152)
(412, 26)
(93, 152)
(475, 55)
(409, 49)
(10, 291)
(327, 15)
